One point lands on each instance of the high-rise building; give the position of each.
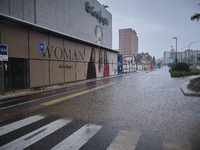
(128, 42)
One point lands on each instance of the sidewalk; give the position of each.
(51, 87)
(191, 87)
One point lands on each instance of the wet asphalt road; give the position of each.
(151, 103)
(147, 109)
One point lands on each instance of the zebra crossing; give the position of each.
(60, 134)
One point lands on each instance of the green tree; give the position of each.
(154, 61)
(148, 57)
(105, 6)
(138, 58)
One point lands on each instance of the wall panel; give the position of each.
(36, 73)
(17, 40)
(56, 72)
(35, 38)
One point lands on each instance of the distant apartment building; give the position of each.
(128, 42)
(185, 56)
(167, 57)
(190, 56)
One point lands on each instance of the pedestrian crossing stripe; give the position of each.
(16, 125)
(79, 138)
(35, 136)
(124, 140)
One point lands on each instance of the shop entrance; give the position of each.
(16, 74)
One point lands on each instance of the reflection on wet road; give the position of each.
(142, 111)
(151, 103)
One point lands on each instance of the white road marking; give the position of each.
(35, 136)
(125, 140)
(18, 124)
(79, 138)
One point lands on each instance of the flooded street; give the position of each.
(150, 103)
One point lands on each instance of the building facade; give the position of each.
(77, 34)
(128, 42)
(188, 56)
(169, 56)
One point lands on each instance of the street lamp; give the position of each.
(176, 49)
(189, 49)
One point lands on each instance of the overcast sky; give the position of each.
(156, 23)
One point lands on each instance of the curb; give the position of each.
(17, 91)
(186, 91)
(56, 86)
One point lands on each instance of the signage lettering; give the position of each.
(90, 9)
(56, 52)
(66, 67)
(60, 53)
(3, 51)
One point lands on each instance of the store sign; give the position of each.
(3, 52)
(65, 54)
(65, 66)
(90, 9)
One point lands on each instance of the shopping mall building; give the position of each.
(78, 38)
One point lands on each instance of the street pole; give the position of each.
(176, 50)
(2, 66)
(43, 69)
(189, 49)
(42, 47)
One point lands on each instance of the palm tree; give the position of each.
(196, 16)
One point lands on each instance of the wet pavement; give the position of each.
(150, 103)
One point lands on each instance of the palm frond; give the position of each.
(196, 16)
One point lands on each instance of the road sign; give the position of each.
(42, 46)
(3, 52)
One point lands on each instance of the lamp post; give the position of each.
(189, 49)
(176, 49)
